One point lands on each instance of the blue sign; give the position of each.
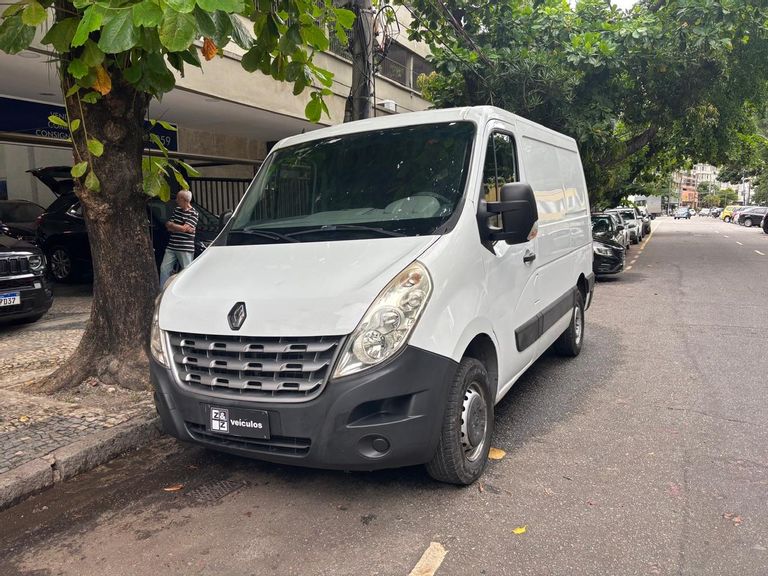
(25, 117)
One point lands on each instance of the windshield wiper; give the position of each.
(264, 234)
(342, 227)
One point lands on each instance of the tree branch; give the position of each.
(631, 147)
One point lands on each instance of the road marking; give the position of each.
(724, 236)
(758, 251)
(629, 267)
(739, 243)
(430, 561)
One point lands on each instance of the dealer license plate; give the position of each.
(238, 422)
(10, 298)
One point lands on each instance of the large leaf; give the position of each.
(92, 54)
(240, 34)
(61, 34)
(178, 30)
(315, 37)
(223, 24)
(15, 36)
(34, 15)
(205, 23)
(224, 5)
(95, 147)
(79, 169)
(183, 6)
(119, 34)
(147, 13)
(157, 75)
(345, 17)
(90, 21)
(314, 109)
(77, 69)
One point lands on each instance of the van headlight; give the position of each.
(388, 323)
(156, 335)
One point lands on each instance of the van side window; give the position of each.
(500, 168)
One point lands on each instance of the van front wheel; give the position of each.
(467, 428)
(569, 343)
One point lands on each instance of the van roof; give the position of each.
(479, 115)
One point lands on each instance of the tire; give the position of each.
(569, 343)
(748, 222)
(462, 452)
(61, 265)
(635, 240)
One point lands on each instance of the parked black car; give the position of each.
(20, 218)
(62, 235)
(607, 245)
(24, 292)
(751, 216)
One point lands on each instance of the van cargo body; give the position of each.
(380, 287)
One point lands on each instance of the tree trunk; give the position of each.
(114, 346)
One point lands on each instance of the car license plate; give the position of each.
(238, 422)
(10, 298)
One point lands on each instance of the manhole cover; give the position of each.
(213, 491)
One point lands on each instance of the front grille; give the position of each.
(264, 369)
(284, 445)
(11, 265)
(16, 283)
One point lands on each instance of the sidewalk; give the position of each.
(44, 439)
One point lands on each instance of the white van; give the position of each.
(380, 287)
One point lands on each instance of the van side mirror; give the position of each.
(620, 228)
(224, 219)
(518, 210)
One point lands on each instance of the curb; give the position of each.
(72, 459)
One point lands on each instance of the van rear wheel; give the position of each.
(467, 428)
(569, 343)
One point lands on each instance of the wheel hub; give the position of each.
(474, 422)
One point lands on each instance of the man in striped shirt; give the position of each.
(181, 246)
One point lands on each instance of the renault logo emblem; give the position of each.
(237, 316)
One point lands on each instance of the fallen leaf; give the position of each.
(209, 49)
(737, 520)
(173, 488)
(23, 418)
(496, 454)
(591, 502)
(480, 486)
(103, 83)
(520, 530)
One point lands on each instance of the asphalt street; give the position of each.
(647, 454)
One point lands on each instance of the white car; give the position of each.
(632, 220)
(380, 287)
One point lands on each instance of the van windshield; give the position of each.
(405, 181)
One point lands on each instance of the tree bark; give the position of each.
(114, 347)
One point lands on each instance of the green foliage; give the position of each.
(138, 42)
(642, 91)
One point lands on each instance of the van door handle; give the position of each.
(529, 256)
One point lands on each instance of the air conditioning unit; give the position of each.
(390, 105)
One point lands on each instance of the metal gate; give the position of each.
(218, 194)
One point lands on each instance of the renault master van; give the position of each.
(379, 288)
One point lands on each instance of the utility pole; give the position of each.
(360, 101)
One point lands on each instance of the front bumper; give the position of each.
(607, 264)
(35, 293)
(385, 417)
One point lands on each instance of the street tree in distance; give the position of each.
(113, 58)
(642, 91)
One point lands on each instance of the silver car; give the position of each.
(632, 221)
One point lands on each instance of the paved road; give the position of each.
(648, 454)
